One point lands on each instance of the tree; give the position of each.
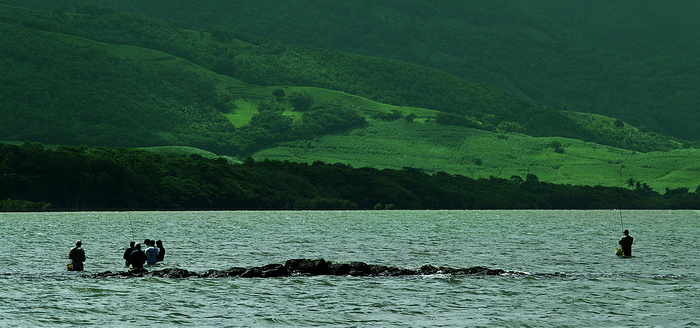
(531, 178)
(219, 33)
(278, 93)
(557, 146)
(270, 105)
(278, 125)
(393, 115)
(92, 9)
(455, 119)
(301, 100)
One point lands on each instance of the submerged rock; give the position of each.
(317, 267)
(174, 273)
(309, 267)
(232, 272)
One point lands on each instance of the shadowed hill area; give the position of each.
(265, 63)
(639, 28)
(560, 54)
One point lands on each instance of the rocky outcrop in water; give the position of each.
(308, 267)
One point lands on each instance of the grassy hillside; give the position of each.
(560, 54)
(65, 88)
(482, 154)
(262, 63)
(267, 63)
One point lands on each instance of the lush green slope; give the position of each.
(268, 63)
(482, 154)
(504, 43)
(64, 88)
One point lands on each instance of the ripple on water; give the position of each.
(593, 288)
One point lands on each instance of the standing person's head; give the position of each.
(131, 244)
(146, 241)
(78, 243)
(626, 232)
(159, 244)
(137, 246)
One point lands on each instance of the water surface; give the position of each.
(574, 279)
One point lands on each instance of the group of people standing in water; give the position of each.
(134, 257)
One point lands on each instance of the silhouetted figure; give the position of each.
(626, 243)
(161, 251)
(127, 252)
(151, 253)
(137, 257)
(77, 257)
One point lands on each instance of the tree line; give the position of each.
(85, 178)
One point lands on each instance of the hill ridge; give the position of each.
(195, 117)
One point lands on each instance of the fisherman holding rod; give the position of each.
(626, 243)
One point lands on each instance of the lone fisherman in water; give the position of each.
(77, 257)
(626, 243)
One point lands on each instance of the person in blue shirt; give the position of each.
(151, 253)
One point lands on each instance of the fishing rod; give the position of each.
(619, 206)
(131, 224)
(618, 250)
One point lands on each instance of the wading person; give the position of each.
(626, 243)
(161, 251)
(127, 252)
(137, 257)
(151, 253)
(77, 257)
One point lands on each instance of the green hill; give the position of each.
(482, 154)
(626, 59)
(262, 63)
(116, 80)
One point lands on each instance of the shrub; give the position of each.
(301, 101)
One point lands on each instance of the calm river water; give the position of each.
(659, 287)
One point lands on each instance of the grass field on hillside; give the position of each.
(186, 151)
(481, 154)
(248, 98)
